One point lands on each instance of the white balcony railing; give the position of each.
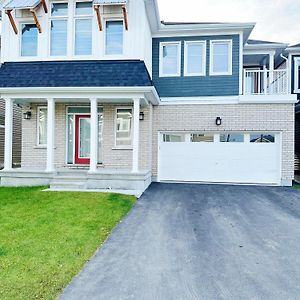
(265, 82)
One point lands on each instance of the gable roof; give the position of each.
(130, 73)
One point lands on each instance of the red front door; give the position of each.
(82, 139)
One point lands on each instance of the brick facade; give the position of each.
(236, 117)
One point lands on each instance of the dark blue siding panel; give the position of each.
(197, 86)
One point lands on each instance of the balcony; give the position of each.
(265, 82)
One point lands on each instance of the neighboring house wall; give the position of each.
(17, 134)
(192, 86)
(34, 157)
(236, 117)
(294, 57)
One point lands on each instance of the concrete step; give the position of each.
(67, 185)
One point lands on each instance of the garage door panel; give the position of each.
(220, 162)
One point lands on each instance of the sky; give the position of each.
(276, 20)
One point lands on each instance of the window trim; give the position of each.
(65, 18)
(186, 44)
(81, 17)
(104, 38)
(118, 147)
(38, 127)
(296, 75)
(20, 40)
(211, 60)
(179, 46)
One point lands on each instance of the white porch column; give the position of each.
(50, 134)
(136, 135)
(271, 67)
(8, 134)
(94, 135)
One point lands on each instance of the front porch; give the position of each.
(113, 145)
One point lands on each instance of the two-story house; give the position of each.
(113, 98)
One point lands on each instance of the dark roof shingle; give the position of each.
(118, 73)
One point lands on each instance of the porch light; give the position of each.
(27, 115)
(142, 116)
(218, 121)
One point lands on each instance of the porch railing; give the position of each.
(265, 82)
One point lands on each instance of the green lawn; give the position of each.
(46, 237)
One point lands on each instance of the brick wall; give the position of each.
(235, 117)
(35, 157)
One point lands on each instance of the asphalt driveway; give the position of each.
(186, 242)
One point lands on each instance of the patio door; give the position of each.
(82, 139)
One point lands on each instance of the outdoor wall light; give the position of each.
(142, 116)
(27, 115)
(218, 121)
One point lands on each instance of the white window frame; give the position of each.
(203, 72)
(20, 40)
(38, 127)
(82, 17)
(211, 58)
(161, 45)
(296, 74)
(67, 19)
(104, 38)
(127, 147)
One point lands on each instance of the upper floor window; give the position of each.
(29, 40)
(297, 75)
(114, 37)
(58, 28)
(170, 59)
(221, 57)
(83, 28)
(194, 58)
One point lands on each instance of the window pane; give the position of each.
(100, 138)
(83, 8)
(232, 138)
(58, 37)
(70, 139)
(59, 9)
(198, 138)
(83, 37)
(123, 127)
(29, 40)
(220, 57)
(174, 138)
(170, 59)
(262, 138)
(114, 37)
(1, 120)
(42, 126)
(195, 58)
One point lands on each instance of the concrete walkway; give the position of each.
(200, 242)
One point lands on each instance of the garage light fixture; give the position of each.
(27, 115)
(218, 121)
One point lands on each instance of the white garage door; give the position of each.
(225, 157)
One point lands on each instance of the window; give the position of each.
(29, 40)
(2, 121)
(42, 126)
(170, 59)
(232, 138)
(58, 29)
(174, 138)
(124, 127)
(221, 57)
(200, 138)
(194, 58)
(114, 38)
(297, 75)
(83, 28)
(262, 138)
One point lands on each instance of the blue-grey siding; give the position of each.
(197, 86)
